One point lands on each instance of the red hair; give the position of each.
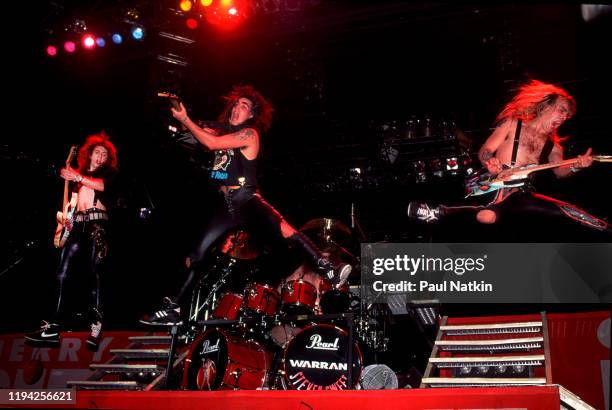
(532, 98)
(90, 144)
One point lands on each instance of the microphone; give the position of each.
(352, 215)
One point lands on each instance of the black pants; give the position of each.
(88, 239)
(244, 207)
(527, 202)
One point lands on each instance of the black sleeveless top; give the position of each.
(231, 167)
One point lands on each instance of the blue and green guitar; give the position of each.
(484, 182)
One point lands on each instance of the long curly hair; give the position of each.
(93, 141)
(532, 99)
(262, 109)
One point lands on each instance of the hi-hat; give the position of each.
(328, 228)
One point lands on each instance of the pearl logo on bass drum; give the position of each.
(318, 345)
(207, 348)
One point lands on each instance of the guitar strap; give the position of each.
(517, 136)
(546, 150)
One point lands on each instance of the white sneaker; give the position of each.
(423, 212)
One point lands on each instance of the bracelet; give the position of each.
(79, 179)
(574, 169)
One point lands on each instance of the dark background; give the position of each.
(336, 71)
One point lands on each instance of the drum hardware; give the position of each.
(211, 298)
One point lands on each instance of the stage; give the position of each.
(384, 114)
(531, 397)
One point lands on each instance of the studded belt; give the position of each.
(90, 216)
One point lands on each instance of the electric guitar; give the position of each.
(65, 217)
(174, 99)
(484, 182)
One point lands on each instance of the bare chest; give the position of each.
(86, 199)
(529, 150)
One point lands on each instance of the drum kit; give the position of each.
(301, 335)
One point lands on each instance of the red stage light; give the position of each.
(69, 46)
(226, 14)
(89, 41)
(192, 23)
(51, 51)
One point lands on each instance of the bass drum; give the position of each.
(218, 360)
(317, 359)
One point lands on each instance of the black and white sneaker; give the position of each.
(423, 212)
(48, 334)
(337, 274)
(95, 335)
(168, 315)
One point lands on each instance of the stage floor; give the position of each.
(529, 397)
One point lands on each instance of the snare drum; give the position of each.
(298, 297)
(218, 360)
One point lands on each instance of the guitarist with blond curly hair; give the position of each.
(525, 136)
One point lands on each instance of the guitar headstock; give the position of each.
(174, 99)
(602, 158)
(71, 155)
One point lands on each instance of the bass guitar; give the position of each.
(65, 217)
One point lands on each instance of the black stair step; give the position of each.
(150, 339)
(127, 368)
(141, 353)
(105, 385)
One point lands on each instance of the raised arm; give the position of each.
(245, 138)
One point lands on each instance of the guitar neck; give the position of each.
(554, 165)
(71, 155)
(571, 161)
(66, 187)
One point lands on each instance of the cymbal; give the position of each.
(329, 226)
(239, 245)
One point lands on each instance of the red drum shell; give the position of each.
(228, 307)
(299, 293)
(218, 360)
(262, 299)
